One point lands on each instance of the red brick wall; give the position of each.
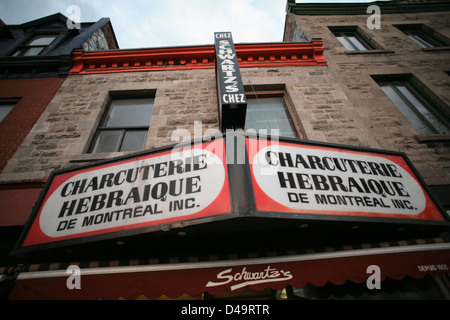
(35, 95)
(17, 202)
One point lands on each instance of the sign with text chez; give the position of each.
(231, 98)
(330, 180)
(125, 194)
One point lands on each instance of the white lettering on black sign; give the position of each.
(230, 90)
(230, 79)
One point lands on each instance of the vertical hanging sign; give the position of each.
(232, 102)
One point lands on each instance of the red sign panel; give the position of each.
(143, 191)
(312, 179)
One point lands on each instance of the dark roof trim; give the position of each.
(57, 17)
(4, 30)
(35, 67)
(395, 6)
(78, 41)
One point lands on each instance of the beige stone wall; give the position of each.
(62, 135)
(395, 54)
(338, 103)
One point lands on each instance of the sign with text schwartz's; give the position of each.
(232, 102)
(332, 180)
(143, 191)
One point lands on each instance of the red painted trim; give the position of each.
(283, 54)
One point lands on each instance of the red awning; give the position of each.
(174, 280)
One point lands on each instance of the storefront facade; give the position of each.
(172, 182)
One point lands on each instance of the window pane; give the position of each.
(107, 141)
(357, 43)
(270, 113)
(352, 40)
(4, 110)
(423, 38)
(34, 51)
(134, 140)
(420, 41)
(437, 124)
(41, 40)
(406, 110)
(17, 53)
(130, 113)
(345, 43)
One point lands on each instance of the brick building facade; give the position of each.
(36, 95)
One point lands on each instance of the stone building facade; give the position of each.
(332, 97)
(341, 103)
(61, 137)
(392, 55)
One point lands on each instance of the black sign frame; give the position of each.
(416, 225)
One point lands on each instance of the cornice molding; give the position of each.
(395, 6)
(34, 67)
(198, 57)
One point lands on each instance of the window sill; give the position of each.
(447, 48)
(369, 51)
(433, 138)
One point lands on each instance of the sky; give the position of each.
(165, 23)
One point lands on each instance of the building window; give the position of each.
(423, 113)
(422, 35)
(35, 46)
(352, 39)
(5, 109)
(268, 110)
(124, 126)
